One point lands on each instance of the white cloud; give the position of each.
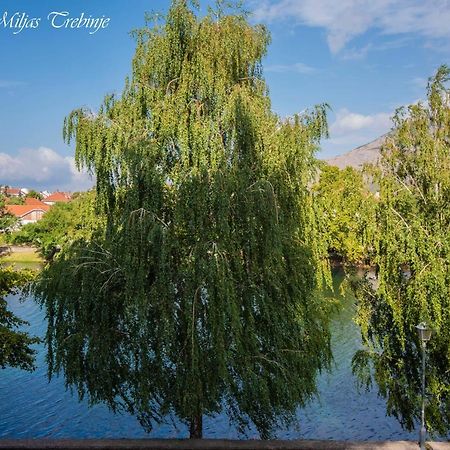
(42, 168)
(297, 67)
(343, 20)
(420, 83)
(356, 53)
(361, 52)
(347, 121)
(350, 130)
(5, 84)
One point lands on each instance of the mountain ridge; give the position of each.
(364, 154)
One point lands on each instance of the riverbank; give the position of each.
(212, 444)
(11, 254)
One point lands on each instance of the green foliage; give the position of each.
(15, 346)
(15, 350)
(414, 262)
(62, 224)
(34, 194)
(346, 209)
(7, 220)
(201, 293)
(16, 201)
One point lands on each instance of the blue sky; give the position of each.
(363, 57)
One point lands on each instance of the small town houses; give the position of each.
(30, 209)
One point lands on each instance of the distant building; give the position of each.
(57, 197)
(31, 212)
(11, 192)
(32, 209)
(31, 201)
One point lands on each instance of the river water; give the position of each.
(32, 407)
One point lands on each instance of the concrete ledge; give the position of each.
(210, 444)
(439, 445)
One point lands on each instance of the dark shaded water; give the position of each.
(31, 407)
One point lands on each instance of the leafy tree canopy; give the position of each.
(413, 256)
(16, 201)
(34, 194)
(7, 220)
(200, 293)
(15, 346)
(346, 209)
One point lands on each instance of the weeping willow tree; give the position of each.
(199, 295)
(347, 209)
(414, 264)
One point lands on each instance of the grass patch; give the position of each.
(29, 256)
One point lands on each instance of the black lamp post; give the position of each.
(424, 332)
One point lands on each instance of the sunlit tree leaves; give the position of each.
(200, 293)
(413, 261)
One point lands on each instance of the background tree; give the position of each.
(16, 201)
(62, 224)
(200, 293)
(34, 194)
(15, 345)
(414, 263)
(346, 209)
(7, 220)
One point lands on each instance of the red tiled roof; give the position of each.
(35, 202)
(58, 197)
(22, 210)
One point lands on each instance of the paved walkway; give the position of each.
(210, 444)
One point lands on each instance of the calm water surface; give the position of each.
(31, 407)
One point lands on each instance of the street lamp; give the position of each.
(424, 332)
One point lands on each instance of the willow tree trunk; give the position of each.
(196, 427)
